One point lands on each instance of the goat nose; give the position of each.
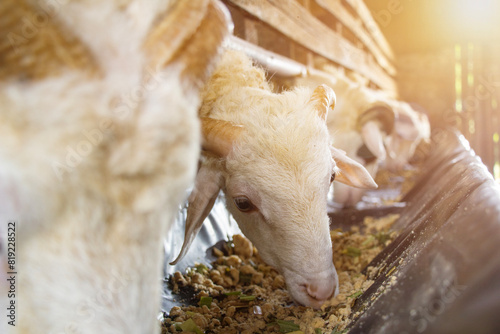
(321, 291)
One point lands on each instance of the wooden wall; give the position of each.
(478, 99)
(458, 86)
(343, 33)
(315, 32)
(428, 79)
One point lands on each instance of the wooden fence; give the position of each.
(340, 33)
(460, 87)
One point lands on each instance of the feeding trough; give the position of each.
(441, 274)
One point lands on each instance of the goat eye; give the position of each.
(244, 204)
(332, 178)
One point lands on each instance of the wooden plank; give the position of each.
(292, 20)
(335, 8)
(371, 25)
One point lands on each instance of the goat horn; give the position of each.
(218, 135)
(322, 99)
(191, 34)
(382, 113)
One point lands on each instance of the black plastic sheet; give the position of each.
(441, 274)
(218, 226)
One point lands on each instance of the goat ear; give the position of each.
(323, 98)
(373, 139)
(351, 172)
(200, 202)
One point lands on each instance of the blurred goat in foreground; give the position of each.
(100, 140)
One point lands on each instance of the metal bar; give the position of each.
(272, 62)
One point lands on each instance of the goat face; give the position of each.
(365, 144)
(279, 202)
(276, 176)
(411, 128)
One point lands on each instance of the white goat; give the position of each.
(372, 127)
(100, 140)
(359, 124)
(411, 128)
(271, 155)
